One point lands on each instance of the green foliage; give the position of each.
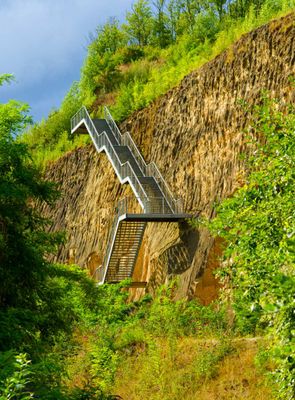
(23, 240)
(100, 73)
(51, 138)
(125, 328)
(167, 317)
(15, 376)
(207, 37)
(130, 65)
(258, 225)
(6, 78)
(130, 53)
(110, 38)
(139, 23)
(40, 303)
(104, 364)
(161, 33)
(206, 365)
(68, 298)
(240, 8)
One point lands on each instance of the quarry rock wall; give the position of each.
(194, 133)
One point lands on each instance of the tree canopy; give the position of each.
(23, 241)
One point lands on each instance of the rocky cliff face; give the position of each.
(194, 134)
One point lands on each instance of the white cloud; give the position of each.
(44, 40)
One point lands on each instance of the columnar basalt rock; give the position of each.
(194, 133)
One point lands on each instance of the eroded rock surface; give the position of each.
(194, 133)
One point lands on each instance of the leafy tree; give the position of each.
(219, 6)
(39, 302)
(23, 241)
(139, 23)
(47, 137)
(189, 9)
(6, 78)
(110, 37)
(173, 15)
(239, 8)
(206, 27)
(161, 27)
(100, 72)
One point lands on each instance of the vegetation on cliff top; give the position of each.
(130, 65)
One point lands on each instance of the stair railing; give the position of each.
(128, 141)
(175, 204)
(98, 274)
(125, 206)
(121, 209)
(149, 170)
(154, 205)
(124, 170)
(110, 243)
(112, 125)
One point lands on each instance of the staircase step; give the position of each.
(126, 236)
(125, 249)
(125, 155)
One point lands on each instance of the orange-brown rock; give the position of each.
(194, 133)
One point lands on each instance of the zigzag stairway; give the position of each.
(148, 185)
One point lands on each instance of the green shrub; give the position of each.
(130, 53)
(206, 365)
(51, 138)
(258, 225)
(15, 376)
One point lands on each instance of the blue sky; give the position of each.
(43, 43)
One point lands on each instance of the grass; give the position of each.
(152, 365)
(157, 349)
(194, 369)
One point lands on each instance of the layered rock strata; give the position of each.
(194, 133)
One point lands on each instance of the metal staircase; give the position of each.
(125, 250)
(148, 185)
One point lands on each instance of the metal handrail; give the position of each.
(98, 273)
(149, 170)
(112, 124)
(154, 205)
(123, 206)
(128, 141)
(110, 244)
(153, 171)
(124, 170)
(157, 206)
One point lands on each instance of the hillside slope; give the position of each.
(194, 134)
